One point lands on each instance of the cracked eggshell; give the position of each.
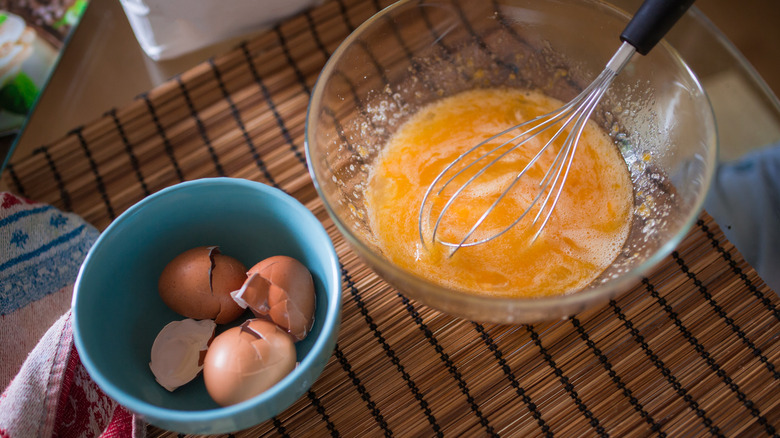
(281, 288)
(244, 361)
(179, 350)
(197, 284)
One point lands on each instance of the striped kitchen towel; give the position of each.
(47, 390)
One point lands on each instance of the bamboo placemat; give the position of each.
(690, 351)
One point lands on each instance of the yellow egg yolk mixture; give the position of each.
(585, 233)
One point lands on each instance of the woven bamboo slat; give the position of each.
(691, 350)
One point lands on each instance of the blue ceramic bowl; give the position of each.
(118, 311)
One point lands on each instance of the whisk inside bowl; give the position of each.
(651, 22)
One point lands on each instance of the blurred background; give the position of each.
(103, 66)
(754, 27)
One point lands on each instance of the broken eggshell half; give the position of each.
(280, 288)
(179, 350)
(197, 284)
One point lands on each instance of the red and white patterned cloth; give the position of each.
(47, 390)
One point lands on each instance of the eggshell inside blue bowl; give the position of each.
(118, 312)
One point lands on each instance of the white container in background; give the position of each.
(166, 29)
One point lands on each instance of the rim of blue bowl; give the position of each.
(322, 343)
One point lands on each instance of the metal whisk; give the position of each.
(651, 22)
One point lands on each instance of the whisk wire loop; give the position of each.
(451, 200)
(570, 147)
(542, 184)
(571, 117)
(547, 119)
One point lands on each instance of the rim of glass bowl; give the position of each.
(484, 304)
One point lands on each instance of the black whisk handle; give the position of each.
(652, 21)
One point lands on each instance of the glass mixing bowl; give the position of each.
(416, 52)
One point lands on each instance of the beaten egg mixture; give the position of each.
(584, 235)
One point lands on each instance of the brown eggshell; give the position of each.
(197, 284)
(244, 361)
(286, 296)
(179, 350)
